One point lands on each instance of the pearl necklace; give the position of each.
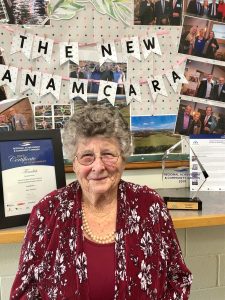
(109, 238)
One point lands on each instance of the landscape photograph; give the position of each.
(153, 134)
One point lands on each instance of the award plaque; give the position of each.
(183, 203)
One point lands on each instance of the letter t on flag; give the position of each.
(23, 43)
(107, 51)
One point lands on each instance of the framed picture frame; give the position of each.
(31, 165)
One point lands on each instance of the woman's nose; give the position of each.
(98, 164)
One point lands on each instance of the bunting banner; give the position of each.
(33, 46)
(44, 83)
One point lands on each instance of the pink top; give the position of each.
(100, 269)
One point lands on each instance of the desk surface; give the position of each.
(212, 214)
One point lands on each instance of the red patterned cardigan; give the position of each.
(148, 259)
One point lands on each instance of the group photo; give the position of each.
(202, 38)
(207, 9)
(158, 12)
(92, 71)
(200, 118)
(205, 81)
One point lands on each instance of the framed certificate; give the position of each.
(32, 165)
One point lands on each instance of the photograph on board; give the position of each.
(21, 12)
(206, 9)
(158, 12)
(203, 38)
(89, 68)
(200, 118)
(51, 116)
(153, 134)
(205, 81)
(16, 114)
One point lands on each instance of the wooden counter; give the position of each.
(212, 214)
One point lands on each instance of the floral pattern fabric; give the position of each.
(148, 259)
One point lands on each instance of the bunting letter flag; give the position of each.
(157, 86)
(8, 76)
(30, 80)
(78, 88)
(22, 43)
(69, 52)
(175, 76)
(133, 92)
(107, 51)
(107, 90)
(150, 44)
(42, 47)
(51, 84)
(130, 47)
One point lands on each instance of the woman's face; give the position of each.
(211, 35)
(98, 178)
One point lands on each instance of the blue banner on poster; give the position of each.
(16, 154)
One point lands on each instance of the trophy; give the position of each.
(184, 203)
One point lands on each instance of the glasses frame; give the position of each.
(100, 156)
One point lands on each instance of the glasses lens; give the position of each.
(86, 159)
(109, 158)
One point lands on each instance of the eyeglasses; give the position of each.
(108, 158)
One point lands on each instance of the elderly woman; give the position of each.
(100, 237)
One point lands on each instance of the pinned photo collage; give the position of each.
(51, 116)
(202, 40)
